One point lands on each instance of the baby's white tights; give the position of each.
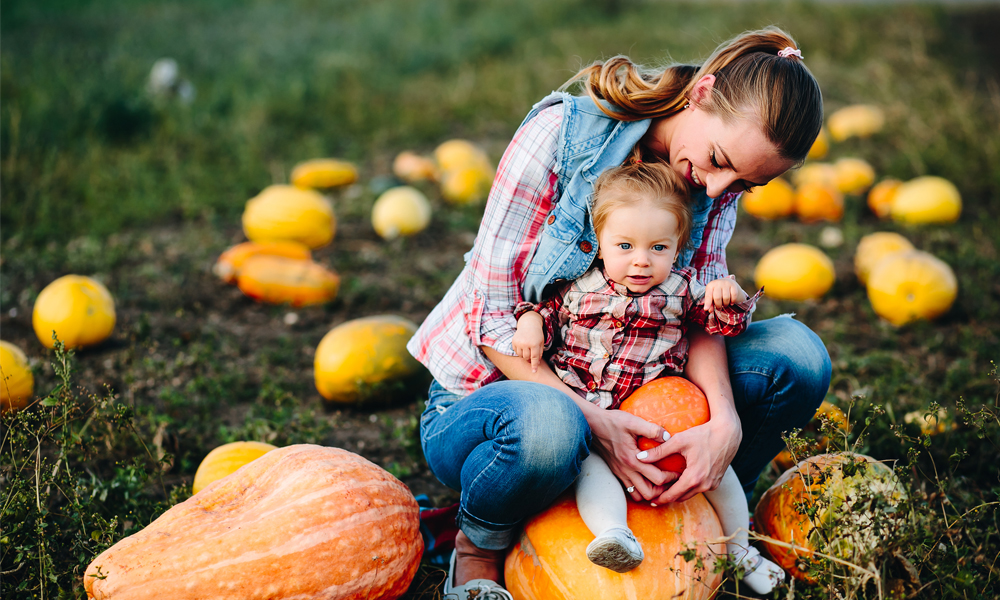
(601, 502)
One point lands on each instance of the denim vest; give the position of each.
(590, 142)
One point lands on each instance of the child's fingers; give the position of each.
(536, 356)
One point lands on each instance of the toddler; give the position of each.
(620, 325)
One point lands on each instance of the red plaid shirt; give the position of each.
(478, 310)
(608, 341)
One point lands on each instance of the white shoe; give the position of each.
(616, 549)
(760, 574)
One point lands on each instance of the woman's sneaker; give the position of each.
(616, 549)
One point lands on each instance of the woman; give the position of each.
(511, 439)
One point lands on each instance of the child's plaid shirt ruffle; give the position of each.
(606, 342)
(478, 309)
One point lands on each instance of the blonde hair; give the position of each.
(635, 181)
(752, 81)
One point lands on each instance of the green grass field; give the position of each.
(99, 177)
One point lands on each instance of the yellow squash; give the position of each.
(455, 154)
(323, 173)
(400, 211)
(79, 309)
(466, 185)
(874, 247)
(17, 383)
(857, 120)
(225, 460)
(285, 212)
(853, 175)
(927, 200)
(356, 357)
(795, 272)
(910, 285)
(411, 167)
(280, 280)
(820, 147)
(776, 200)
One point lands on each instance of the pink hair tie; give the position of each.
(789, 51)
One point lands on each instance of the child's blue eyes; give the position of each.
(625, 246)
(656, 247)
(659, 247)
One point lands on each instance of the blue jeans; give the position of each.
(511, 447)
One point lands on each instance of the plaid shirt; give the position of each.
(608, 341)
(478, 309)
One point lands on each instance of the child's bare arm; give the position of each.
(529, 338)
(723, 292)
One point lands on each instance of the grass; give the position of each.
(98, 177)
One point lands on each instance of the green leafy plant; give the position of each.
(77, 478)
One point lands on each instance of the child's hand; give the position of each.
(723, 292)
(529, 338)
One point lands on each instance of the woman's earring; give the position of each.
(688, 105)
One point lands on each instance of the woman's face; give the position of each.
(713, 154)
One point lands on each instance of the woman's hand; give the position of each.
(614, 437)
(708, 449)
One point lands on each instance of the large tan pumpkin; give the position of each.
(303, 522)
(550, 562)
(354, 358)
(850, 496)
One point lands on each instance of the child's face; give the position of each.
(638, 244)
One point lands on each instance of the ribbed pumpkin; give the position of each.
(549, 562)
(228, 266)
(285, 212)
(785, 460)
(356, 357)
(839, 488)
(400, 211)
(857, 120)
(882, 195)
(927, 200)
(79, 309)
(411, 167)
(874, 247)
(323, 173)
(456, 154)
(795, 272)
(299, 522)
(225, 460)
(776, 200)
(17, 383)
(818, 202)
(911, 285)
(466, 185)
(673, 403)
(280, 280)
(854, 175)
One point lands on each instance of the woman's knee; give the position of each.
(787, 351)
(548, 428)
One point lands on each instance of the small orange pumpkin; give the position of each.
(549, 562)
(227, 268)
(279, 280)
(673, 403)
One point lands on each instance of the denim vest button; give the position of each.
(551, 219)
(586, 247)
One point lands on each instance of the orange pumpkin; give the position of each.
(843, 491)
(227, 268)
(784, 460)
(302, 521)
(549, 562)
(673, 403)
(279, 280)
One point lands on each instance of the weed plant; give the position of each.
(77, 478)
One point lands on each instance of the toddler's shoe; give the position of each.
(760, 574)
(616, 549)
